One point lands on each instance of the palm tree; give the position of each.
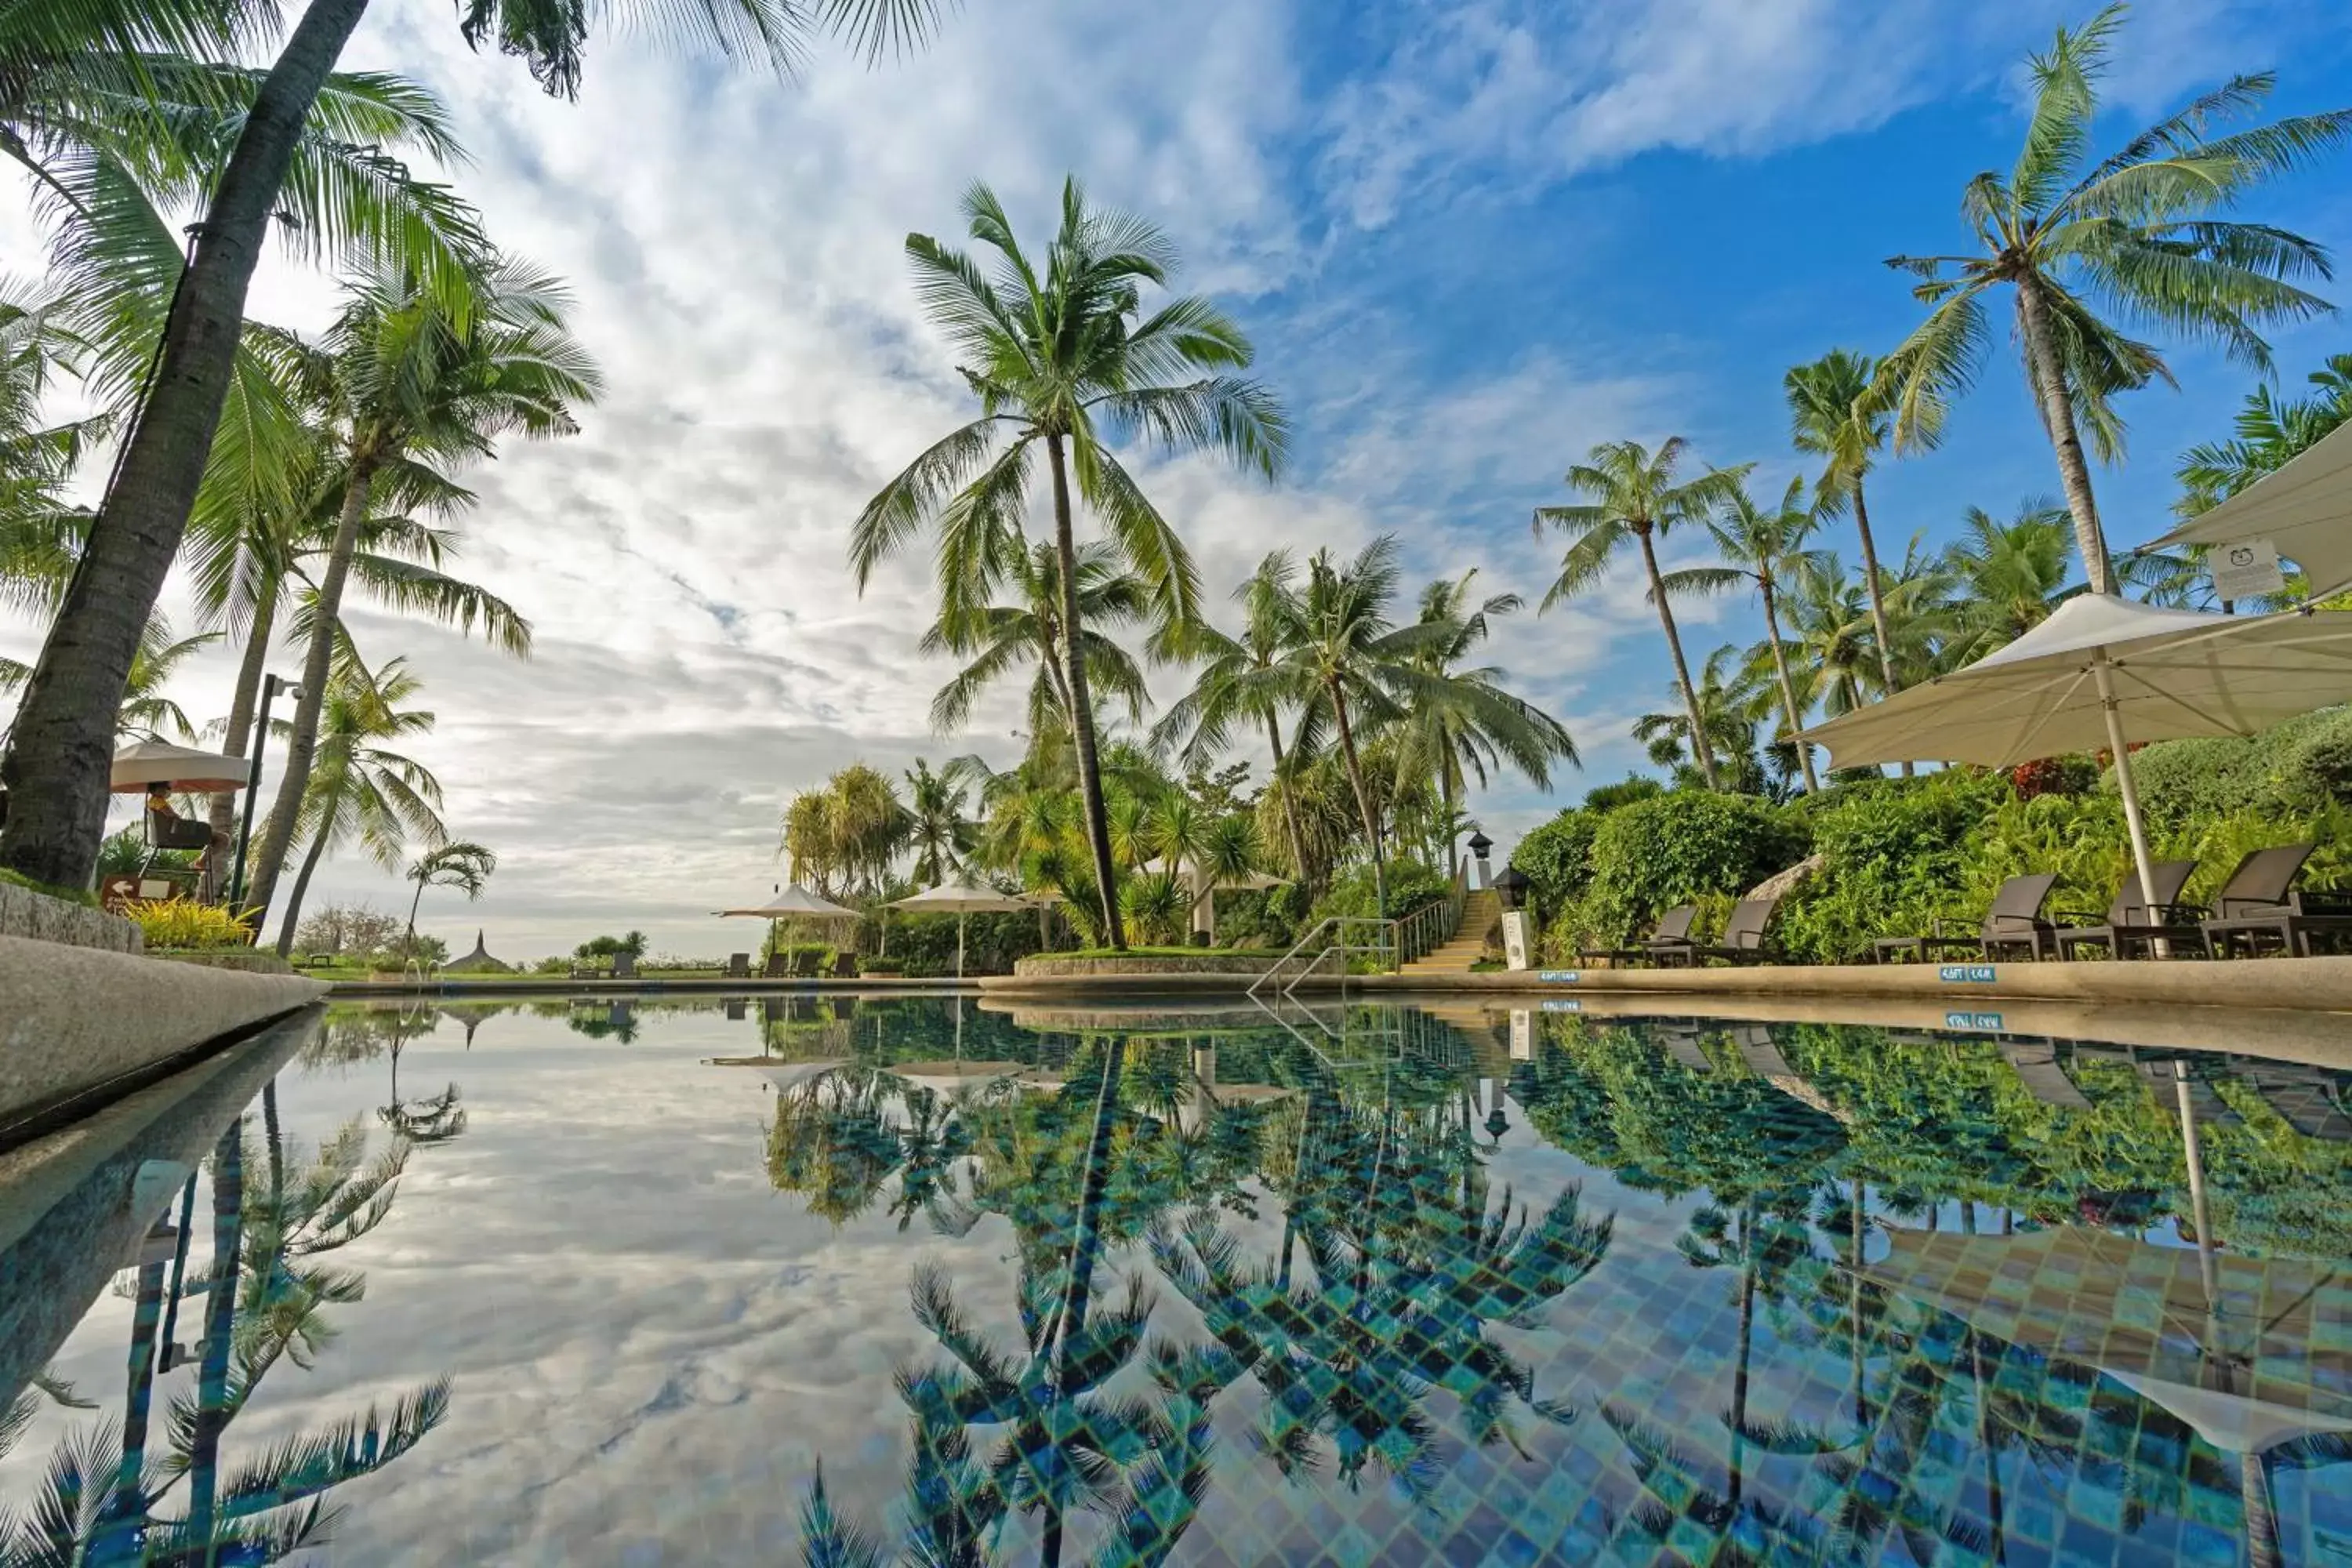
(1349, 651)
(2135, 231)
(1243, 680)
(1061, 362)
(1728, 706)
(999, 638)
(460, 864)
(2269, 434)
(1634, 496)
(144, 710)
(846, 833)
(1831, 415)
(360, 788)
(405, 383)
(1766, 548)
(55, 771)
(2009, 575)
(936, 827)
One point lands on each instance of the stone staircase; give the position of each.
(1481, 913)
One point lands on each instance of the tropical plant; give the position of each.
(999, 638)
(2137, 233)
(1634, 496)
(2008, 576)
(1835, 415)
(404, 382)
(360, 787)
(183, 922)
(847, 834)
(144, 710)
(1730, 702)
(459, 863)
(937, 830)
(56, 768)
(1459, 724)
(1061, 362)
(2269, 433)
(1765, 547)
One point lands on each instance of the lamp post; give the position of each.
(1511, 892)
(1479, 846)
(271, 686)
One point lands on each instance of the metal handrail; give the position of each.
(1385, 947)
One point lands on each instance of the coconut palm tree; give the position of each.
(2008, 575)
(1634, 496)
(1243, 680)
(936, 828)
(1764, 546)
(1459, 724)
(2136, 235)
(2269, 432)
(460, 864)
(403, 382)
(1066, 362)
(1833, 415)
(56, 769)
(144, 710)
(1729, 703)
(999, 638)
(360, 788)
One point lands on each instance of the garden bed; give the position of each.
(1197, 961)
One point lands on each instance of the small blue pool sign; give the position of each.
(1983, 1023)
(1560, 977)
(1563, 1005)
(1965, 973)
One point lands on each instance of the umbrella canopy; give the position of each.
(2257, 1361)
(796, 902)
(2104, 672)
(184, 768)
(2304, 511)
(963, 899)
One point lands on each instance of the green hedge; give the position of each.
(1676, 847)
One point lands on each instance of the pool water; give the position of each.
(911, 1281)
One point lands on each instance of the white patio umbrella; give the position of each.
(793, 902)
(963, 899)
(184, 768)
(2304, 511)
(2104, 672)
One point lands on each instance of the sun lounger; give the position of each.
(1754, 1043)
(1746, 938)
(2129, 928)
(2013, 921)
(739, 966)
(624, 966)
(2261, 905)
(1668, 938)
(2038, 1067)
(844, 967)
(2305, 1097)
(779, 965)
(804, 964)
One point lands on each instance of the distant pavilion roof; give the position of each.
(478, 962)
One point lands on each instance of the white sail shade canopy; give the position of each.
(796, 903)
(2304, 511)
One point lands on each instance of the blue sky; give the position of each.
(1471, 239)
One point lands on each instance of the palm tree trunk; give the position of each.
(63, 737)
(2058, 419)
(1740, 1367)
(1289, 801)
(1699, 746)
(1877, 594)
(1082, 714)
(1856, 1347)
(309, 865)
(409, 939)
(119, 1519)
(1363, 798)
(1788, 688)
(220, 1317)
(302, 744)
(222, 817)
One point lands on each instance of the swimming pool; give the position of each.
(619, 1281)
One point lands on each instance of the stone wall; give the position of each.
(37, 917)
(1053, 966)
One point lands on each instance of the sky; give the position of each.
(1469, 240)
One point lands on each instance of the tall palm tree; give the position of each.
(460, 864)
(999, 638)
(2136, 234)
(1764, 546)
(1459, 723)
(1728, 704)
(2269, 432)
(144, 709)
(1634, 496)
(1832, 639)
(56, 768)
(2009, 575)
(1350, 652)
(360, 788)
(936, 828)
(1243, 680)
(404, 382)
(1068, 362)
(1833, 415)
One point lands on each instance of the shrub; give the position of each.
(1602, 799)
(2055, 775)
(1677, 847)
(1410, 885)
(634, 944)
(1557, 859)
(182, 923)
(1895, 856)
(348, 928)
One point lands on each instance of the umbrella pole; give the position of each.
(2125, 785)
(960, 920)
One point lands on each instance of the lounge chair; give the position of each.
(805, 963)
(1669, 937)
(2261, 902)
(844, 967)
(624, 966)
(779, 965)
(2013, 921)
(2128, 925)
(739, 966)
(1745, 938)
